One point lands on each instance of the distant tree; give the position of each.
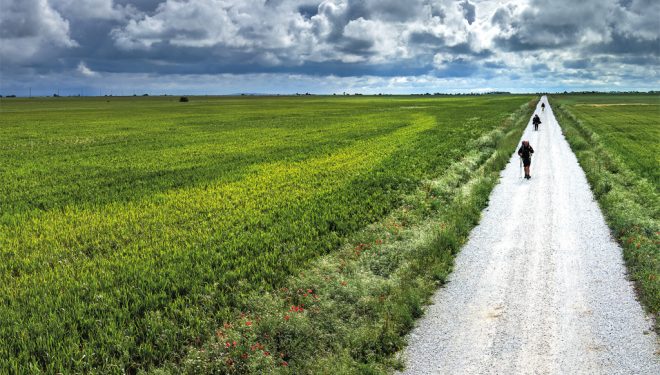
(183, 99)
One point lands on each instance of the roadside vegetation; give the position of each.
(138, 233)
(617, 141)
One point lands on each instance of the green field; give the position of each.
(130, 228)
(616, 138)
(629, 125)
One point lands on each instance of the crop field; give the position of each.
(131, 227)
(616, 138)
(629, 125)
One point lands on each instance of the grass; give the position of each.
(132, 228)
(617, 140)
(628, 125)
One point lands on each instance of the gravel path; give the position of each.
(540, 287)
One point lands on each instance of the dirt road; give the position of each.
(540, 287)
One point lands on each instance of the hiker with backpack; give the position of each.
(542, 107)
(536, 121)
(525, 152)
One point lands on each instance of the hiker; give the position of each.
(542, 107)
(536, 121)
(525, 152)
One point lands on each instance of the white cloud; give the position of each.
(86, 71)
(93, 9)
(31, 28)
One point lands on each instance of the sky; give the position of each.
(126, 47)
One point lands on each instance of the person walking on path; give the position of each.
(536, 121)
(542, 107)
(525, 152)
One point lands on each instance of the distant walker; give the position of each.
(525, 152)
(536, 121)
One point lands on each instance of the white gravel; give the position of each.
(540, 287)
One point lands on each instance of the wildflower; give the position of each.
(309, 291)
(284, 364)
(266, 353)
(297, 309)
(234, 343)
(227, 344)
(248, 323)
(286, 317)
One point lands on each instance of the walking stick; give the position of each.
(521, 168)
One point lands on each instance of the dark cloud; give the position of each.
(501, 17)
(606, 26)
(576, 64)
(458, 68)
(426, 39)
(624, 44)
(469, 10)
(308, 11)
(21, 20)
(536, 68)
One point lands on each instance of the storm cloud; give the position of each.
(93, 42)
